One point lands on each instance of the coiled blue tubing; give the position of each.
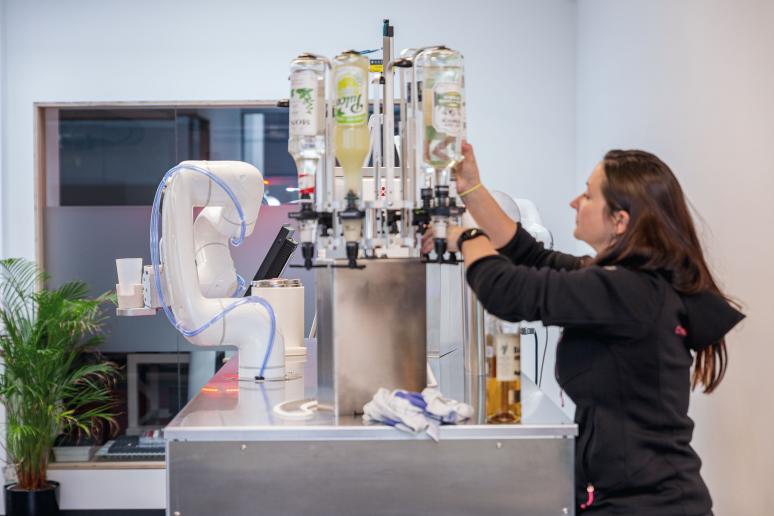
(154, 252)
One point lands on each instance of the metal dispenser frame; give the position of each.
(444, 325)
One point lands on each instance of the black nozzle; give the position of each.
(305, 212)
(351, 199)
(393, 216)
(440, 248)
(442, 195)
(352, 250)
(427, 197)
(307, 252)
(351, 211)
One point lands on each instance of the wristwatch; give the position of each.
(469, 234)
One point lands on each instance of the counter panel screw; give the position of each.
(499, 445)
(565, 511)
(243, 447)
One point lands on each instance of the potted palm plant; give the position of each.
(45, 385)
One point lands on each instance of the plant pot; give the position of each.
(43, 502)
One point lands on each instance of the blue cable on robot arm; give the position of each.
(154, 252)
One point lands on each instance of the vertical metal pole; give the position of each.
(474, 350)
(322, 167)
(330, 161)
(388, 120)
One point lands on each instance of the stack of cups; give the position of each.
(129, 286)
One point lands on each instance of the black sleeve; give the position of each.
(615, 299)
(523, 249)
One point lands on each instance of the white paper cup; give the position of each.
(129, 274)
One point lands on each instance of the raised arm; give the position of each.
(618, 300)
(508, 237)
(480, 203)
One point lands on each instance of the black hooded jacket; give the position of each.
(624, 359)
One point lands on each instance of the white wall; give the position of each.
(2, 167)
(3, 80)
(693, 81)
(519, 64)
(520, 76)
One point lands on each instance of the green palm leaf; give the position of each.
(45, 390)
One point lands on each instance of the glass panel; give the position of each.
(270, 142)
(112, 156)
(116, 157)
(159, 390)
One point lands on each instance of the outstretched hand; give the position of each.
(466, 171)
(452, 237)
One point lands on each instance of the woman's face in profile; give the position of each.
(593, 223)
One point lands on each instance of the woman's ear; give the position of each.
(620, 222)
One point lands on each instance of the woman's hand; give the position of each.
(452, 236)
(427, 241)
(466, 171)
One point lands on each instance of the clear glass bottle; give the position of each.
(440, 79)
(351, 136)
(306, 142)
(503, 371)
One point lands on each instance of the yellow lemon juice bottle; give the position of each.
(351, 137)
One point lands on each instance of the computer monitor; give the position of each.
(157, 388)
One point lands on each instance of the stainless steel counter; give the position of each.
(227, 452)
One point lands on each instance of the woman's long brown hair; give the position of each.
(660, 236)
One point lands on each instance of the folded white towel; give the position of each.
(448, 411)
(415, 412)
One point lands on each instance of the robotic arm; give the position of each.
(199, 274)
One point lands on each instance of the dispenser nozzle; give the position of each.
(352, 251)
(440, 248)
(307, 252)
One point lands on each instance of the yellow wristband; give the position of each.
(470, 190)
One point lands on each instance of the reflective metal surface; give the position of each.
(453, 477)
(228, 453)
(229, 410)
(371, 331)
(446, 336)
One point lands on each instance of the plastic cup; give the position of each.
(129, 274)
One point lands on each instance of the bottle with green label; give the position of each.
(440, 80)
(351, 136)
(306, 142)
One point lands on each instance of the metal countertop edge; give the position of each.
(366, 433)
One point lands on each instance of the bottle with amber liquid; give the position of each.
(503, 371)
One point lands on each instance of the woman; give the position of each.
(636, 318)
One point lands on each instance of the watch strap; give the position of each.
(469, 234)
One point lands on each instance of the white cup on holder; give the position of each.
(129, 286)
